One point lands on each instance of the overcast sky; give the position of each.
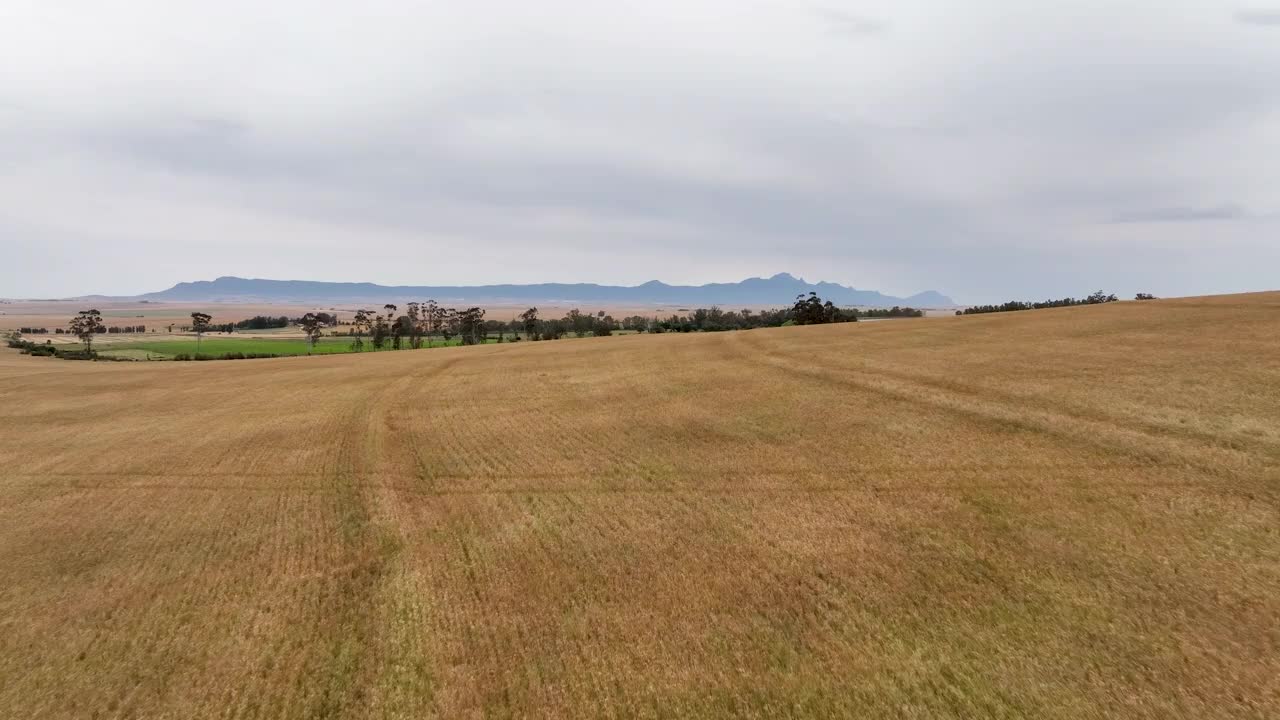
(986, 149)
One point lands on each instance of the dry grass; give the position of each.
(1061, 513)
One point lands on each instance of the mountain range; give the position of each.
(777, 290)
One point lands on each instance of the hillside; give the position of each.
(1058, 513)
(779, 289)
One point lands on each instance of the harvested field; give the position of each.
(1053, 514)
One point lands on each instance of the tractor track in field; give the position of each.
(1106, 435)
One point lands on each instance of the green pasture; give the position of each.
(165, 349)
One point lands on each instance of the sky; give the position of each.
(988, 149)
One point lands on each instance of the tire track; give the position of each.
(1098, 434)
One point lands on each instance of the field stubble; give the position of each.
(1059, 513)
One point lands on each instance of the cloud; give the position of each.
(1263, 17)
(1182, 214)
(847, 24)
(971, 150)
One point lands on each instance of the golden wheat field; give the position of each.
(1066, 513)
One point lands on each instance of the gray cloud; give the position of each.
(1259, 17)
(970, 150)
(842, 22)
(1182, 214)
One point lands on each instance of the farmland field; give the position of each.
(1053, 514)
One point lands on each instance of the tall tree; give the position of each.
(313, 327)
(529, 319)
(448, 323)
(382, 326)
(415, 325)
(812, 310)
(200, 323)
(85, 325)
(471, 325)
(392, 327)
(361, 324)
(578, 322)
(434, 316)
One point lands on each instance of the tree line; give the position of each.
(114, 329)
(422, 323)
(48, 349)
(262, 322)
(806, 310)
(1096, 298)
(84, 325)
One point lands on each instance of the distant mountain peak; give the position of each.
(780, 289)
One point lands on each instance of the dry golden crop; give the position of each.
(1057, 513)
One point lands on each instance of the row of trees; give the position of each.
(812, 310)
(893, 312)
(259, 322)
(311, 324)
(422, 322)
(418, 325)
(1014, 305)
(807, 310)
(262, 322)
(47, 349)
(114, 329)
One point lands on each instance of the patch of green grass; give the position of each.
(131, 354)
(220, 345)
(216, 346)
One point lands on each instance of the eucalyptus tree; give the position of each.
(529, 319)
(361, 324)
(382, 326)
(471, 325)
(434, 315)
(85, 325)
(578, 322)
(448, 323)
(414, 313)
(313, 327)
(200, 323)
(389, 325)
